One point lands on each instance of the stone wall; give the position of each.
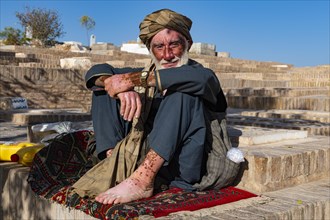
(45, 88)
(36, 75)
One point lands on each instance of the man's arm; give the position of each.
(192, 79)
(96, 75)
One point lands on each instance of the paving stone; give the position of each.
(248, 135)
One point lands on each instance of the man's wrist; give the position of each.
(100, 81)
(135, 78)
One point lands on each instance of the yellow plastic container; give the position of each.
(8, 149)
(25, 155)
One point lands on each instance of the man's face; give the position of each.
(169, 49)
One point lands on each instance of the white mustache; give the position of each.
(167, 62)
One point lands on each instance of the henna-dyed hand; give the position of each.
(118, 83)
(130, 105)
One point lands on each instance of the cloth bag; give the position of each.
(220, 171)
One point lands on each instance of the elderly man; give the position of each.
(171, 118)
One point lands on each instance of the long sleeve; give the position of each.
(193, 79)
(104, 70)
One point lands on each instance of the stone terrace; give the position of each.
(278, 115)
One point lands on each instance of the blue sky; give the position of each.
(293, 32)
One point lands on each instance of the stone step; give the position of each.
(214, 60)
(247, 135)
(316, 116)
(313, 127)
(39, 65)
(276, 92)
(285, 162)
(12, 60)
(277, 165)
(312, 102)
(308, 76)
(125, 63)
(306, 201)
(23, 120)
(10, 132)
(248, 83)
(37, 116)
(234, 68)
(19, 202)
(7, 54)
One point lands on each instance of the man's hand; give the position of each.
(130, 105)
(118, 83)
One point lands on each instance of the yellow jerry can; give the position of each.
(8, 149)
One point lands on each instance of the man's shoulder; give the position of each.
(100, 68)
(107, 69)
(192, 62)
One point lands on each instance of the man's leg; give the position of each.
(109, 126)
(184, 125)
(139, 185)
(178, 136)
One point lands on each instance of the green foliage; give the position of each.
(88, 23)
(45, 24)
(13, 36)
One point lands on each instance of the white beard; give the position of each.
(182, 61)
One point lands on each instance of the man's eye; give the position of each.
(159, 47)
(175, 44)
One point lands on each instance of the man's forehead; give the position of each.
(166, 35)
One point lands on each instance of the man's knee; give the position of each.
(179, 97)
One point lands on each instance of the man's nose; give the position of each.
(168, 54)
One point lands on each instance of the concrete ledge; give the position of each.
(306, 201)
(35, 116)
(19, 202)
(275, 166)
(247, 135)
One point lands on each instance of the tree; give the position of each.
(12, 36)
(88, 23)
(45, 24)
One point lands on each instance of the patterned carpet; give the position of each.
(68, 157)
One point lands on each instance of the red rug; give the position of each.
(64, 161)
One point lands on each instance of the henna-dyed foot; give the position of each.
(129, 190)
(138, 186)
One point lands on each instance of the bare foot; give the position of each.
(139, 185)
(129, 190)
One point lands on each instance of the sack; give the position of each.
(220, 170)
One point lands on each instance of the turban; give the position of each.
(161, 19)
